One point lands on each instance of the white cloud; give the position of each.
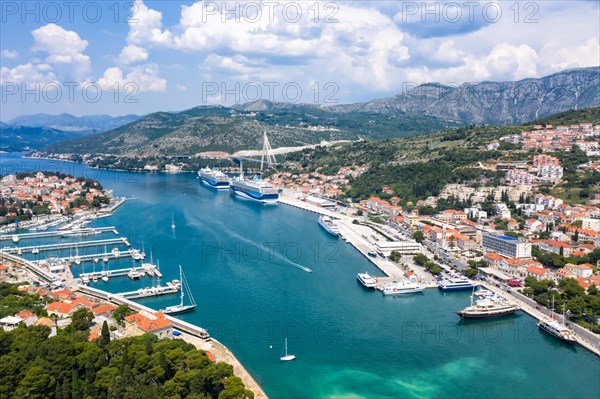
(145, 78)
(27, 73)
(65, 51)
(132, 54)
(557, 57)
(10, 54)
(181, 87)
(145, 26)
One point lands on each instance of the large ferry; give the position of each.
(256, 189)
(214, 178)
(402, 287)
(455, 284)
(367, 280)
(329, 225)
(490, 306)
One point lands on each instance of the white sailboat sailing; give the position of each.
(172, 221)
(181, 308)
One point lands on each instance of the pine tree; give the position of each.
(58, 391)
(75, 388)
(104, 335)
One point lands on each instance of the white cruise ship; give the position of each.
(367, 280)
(402, 287)
(330, 225)
(256, 189)
(214, 178)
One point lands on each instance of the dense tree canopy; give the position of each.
(67, 366)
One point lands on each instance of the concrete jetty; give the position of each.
(149, 292)
(61, 233)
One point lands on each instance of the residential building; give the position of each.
(539, 272)
(502, 211)
(584, 270)
(153, 323)
(492, 259)
(557, 247)
(590, 224)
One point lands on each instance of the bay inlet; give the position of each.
(244, 263)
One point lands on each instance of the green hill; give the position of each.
(418, 167)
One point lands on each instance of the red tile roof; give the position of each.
(149, 324)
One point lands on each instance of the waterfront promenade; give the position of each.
(585, 338)
(357, 236)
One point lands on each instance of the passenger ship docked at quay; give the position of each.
(214, 178)
(256, 188)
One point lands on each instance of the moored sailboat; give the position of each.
(181, 308)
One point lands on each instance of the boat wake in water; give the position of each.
(267, 253)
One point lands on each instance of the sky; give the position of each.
(113, 57)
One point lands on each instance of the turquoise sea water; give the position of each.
(246, 265)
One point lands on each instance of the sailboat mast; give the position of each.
(181, 286)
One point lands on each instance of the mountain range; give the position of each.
(426, 108)
(35, 131)
(494, 103)
(68, 122)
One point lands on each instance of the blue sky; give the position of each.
(144, 56)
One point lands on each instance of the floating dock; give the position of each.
(113, 273)
(150, 291)
(61, 233)
(68, 245)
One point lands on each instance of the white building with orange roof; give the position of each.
(584, 270)
(539, 272)
(493, 259)
(61, 309)
(152, 323)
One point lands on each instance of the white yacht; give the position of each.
(492, 306)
